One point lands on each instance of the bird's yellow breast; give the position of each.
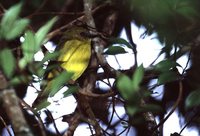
(75, 56)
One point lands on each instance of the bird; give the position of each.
(74, 53)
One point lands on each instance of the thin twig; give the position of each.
(189, 57)
(58, 30)
(38, 9)
(40, 122)
(53, 121)
(58, 13)
(173, 108)
(192, 118)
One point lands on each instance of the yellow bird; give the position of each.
(74, 56)
(76, 51)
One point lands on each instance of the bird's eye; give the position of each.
(85, 34)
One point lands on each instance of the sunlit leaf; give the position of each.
(114, 50)
(28, 48)
(9, 19)
(42, 32)
(193, 99)
(7, 62)
(59, 81)
(137, 77)
(70, 90)
(124, 84)
(17, 29)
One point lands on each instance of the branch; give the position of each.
(73, 124)
(57, 31)
(11, 105)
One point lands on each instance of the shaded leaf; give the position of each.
(187, 10)
(42, 105)
(114, 50)
(175, 134)
(70, 90)
(167, 77)
(20, 79)
(59, 81)
(37, 69)
(50, 56)
(137, 77)
(166, 65)
(151, 108)
(120, 41)
(131, 110)
(7, 62)
(193, 99)
(124, 84)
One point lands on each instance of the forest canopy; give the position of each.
(85, 33)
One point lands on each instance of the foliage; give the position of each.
(176, 24)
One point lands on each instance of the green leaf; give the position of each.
(70, 90)
(120, 41)
(9, 19)
(151, 108)
(114, 50)
(7, 62)
(20, 79)
(36, 68)
(28, 48)
(50, 56)
(137, 77)
(167, 77)
(59, 82)
(193, 99)
(131, 110)
(124, 84)
(17, 29)
(166, 65)
(42, 105)
(42, 32)
(187, 10)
